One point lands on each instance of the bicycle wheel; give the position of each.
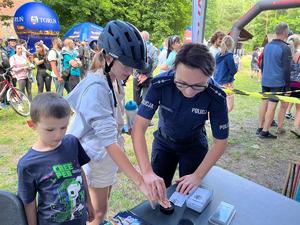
(18, 101)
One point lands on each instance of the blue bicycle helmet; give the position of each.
(123, 41)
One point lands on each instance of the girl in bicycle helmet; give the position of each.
(98, 104)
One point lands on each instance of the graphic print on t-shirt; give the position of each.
(70, 192)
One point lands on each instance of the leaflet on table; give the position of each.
(178, 199)
(125, 218)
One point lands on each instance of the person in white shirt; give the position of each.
(216, 41)
(55, 59)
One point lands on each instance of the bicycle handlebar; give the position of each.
(6, 72)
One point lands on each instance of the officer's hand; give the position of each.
(156, 185)
(186, 183)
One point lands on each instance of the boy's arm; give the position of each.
(91, 213)
(30, 210)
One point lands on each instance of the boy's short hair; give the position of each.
(49, 105)
(196, 56)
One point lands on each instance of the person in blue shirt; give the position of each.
(187, 97)
(11, 48)
(226, 68)
(276, 71)
(51, 181)
(70, 59)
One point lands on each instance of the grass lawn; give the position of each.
(263, 161)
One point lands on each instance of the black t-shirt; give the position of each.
(40, 57)
(56, 177)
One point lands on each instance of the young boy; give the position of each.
(52, 168)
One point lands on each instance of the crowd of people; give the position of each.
(73, 174)
(277, 68)
(71, 56)
(83, 180)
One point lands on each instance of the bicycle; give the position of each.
(17, 99)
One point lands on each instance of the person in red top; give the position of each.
(259, 63)
(260, 57)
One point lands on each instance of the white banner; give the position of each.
(198, 23)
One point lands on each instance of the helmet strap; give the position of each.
(106, 72)
(108, 67)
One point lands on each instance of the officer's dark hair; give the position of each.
(49, 105)
(196, 56)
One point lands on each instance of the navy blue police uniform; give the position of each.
(181, 137)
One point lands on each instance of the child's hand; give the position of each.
(91, 212)
(165, 204)
(156, 185)
(143, 188)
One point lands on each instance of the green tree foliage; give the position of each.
(222, 14)
(167, 17)
(3, 5)
(159, 18)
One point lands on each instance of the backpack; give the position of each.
(47, 62)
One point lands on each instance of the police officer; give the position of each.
(187, 98)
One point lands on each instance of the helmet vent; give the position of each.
(133, 52)
(128, 37)
(118, 41)
(110, 31)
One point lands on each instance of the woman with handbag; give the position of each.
(294, 42)
(42, 77)
(19, 65)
